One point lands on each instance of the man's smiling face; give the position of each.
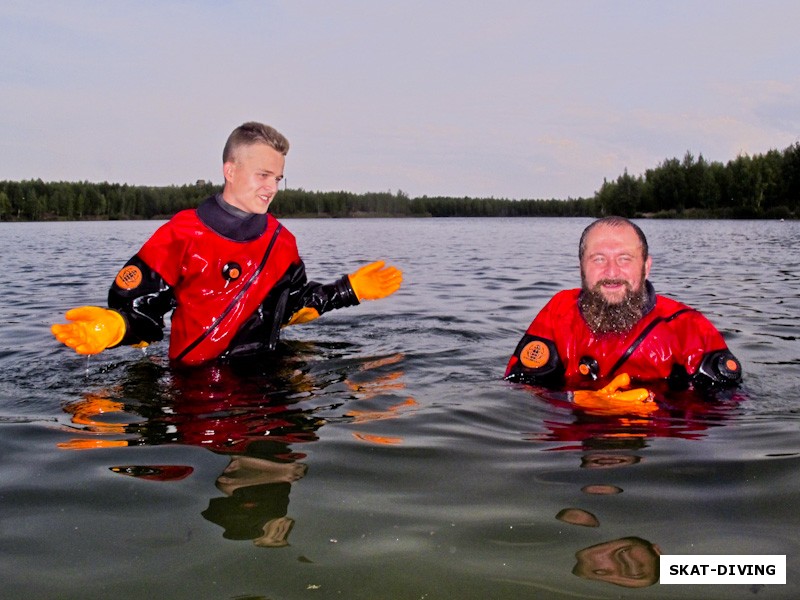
(252, 177)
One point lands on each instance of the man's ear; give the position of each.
(647, 264)
(228, 170)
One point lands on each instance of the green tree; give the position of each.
(5, 206)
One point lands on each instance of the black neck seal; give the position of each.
(230, 222)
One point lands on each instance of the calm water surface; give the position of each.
(381, 456)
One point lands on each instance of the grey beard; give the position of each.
(603, 317)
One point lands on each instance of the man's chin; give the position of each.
(606, 312)
(614, 298)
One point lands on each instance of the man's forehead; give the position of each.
(613, 235)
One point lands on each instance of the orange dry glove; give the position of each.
(375, 281)
(304, 315)
(610, 401)
(93, 329)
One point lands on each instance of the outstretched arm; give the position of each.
(138, 300)
(371, 282)
(91, 329)
(375, 281)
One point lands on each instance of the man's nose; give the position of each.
(612, 270)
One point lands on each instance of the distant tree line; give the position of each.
(299, 203)
(763, 186)
(35, 200)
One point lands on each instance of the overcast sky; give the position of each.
(508, 98)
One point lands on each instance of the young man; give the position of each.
(616, 325)
(230, 271)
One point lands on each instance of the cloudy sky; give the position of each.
(508, 98)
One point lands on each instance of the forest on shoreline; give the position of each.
(748, 187)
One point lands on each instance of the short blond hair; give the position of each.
(251, 133)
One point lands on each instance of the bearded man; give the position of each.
(616, 324)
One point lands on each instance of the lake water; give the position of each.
(382, 456)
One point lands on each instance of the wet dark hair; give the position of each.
(254, 133)
(613, 222)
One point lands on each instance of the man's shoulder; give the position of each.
(688, 316)
(179, 222)
(562, 301)
(665, 304)
(565, 296)
(186, 215)
(273, 223)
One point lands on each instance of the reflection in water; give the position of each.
(257, 420)
(629, 562)
(683, 414)
(155, 472)
(601, 489)
(615, 441)
(256, 487)
(578, 516)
